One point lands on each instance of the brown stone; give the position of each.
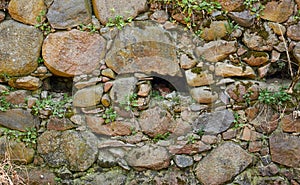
(215, 51)
(238, 90)
(230, 5)
(296, 52)
(290, 124)
(70, 53)
(285, 149)
(278, 11)
(293, 32)
(209, 139)
(263, 40)
(203, 95)
(20, 48)
(108, 73)
(183, 147)
(26, 82)
(60, 124)
(244, 18)
(255, 146)
(88, 97)
(144, 90)
(186, 62)
(198, 79)
(279, 29)
(222, 164)
(229, 70)
(256, 58)
(266, 120)
(105, 10)
(107, 86)
(216, 30)
(160, 16)
(105, 100)
(17, 97)
(26, 11)
(2, 16)
(229, 134)
(263, 71)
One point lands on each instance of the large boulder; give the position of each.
(20, 48)
(70, 53)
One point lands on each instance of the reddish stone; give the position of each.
(289, 124)
(184, 148)
(60, 124)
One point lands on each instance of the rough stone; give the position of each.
(76, 150)
(20, 48)
(26, 11)
(144, 90)
(209, 139)
(41, 176)
(186, 62)
(183, 147)
(88, 97)
(17, 119)
(222, 164)
(108, 73)
(59, 124)
(215, 51)
(215, 122)
(263, 71)
(203, 95)
(278, 11)
(244, 18)
(230, 5)
(279, 29)
(296, 52)
(293, 32)
(266, 122)
(156, 121)
(63, 14)
(289, 124)
(26, 82)
(198, 79)
(148, 157)
(229, 134)
(18, 151)
(229, 70)
(160, 16)
(104, 10)
(17, 97)
(138, 49)
(110, 178)
(105, 100)
(255, 59)
(70, 53)
(107, 86)
(183, 161)
(2, 16)
(216, 30)
(238, 90)
(90, 82)
(122, 88)
(285, 149)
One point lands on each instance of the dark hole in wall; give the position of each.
(58, 84)
(162, 86)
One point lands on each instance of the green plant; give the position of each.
(90, 28)
(280, 97)
(247, 96)
(161, 137)
(109, 115)
(4, 105)
(231, 27)
(156, 95)
(41, 60)
(191, 139)
(254, 6)
(42, 24)
(200, 132)
(130, 102)
(237, 122)
(297, 16)
(29, 137)
(56, 106)
(133, 130)
(118, 22)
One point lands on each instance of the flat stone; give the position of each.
(215, 122)
(231, 5)
(75, 150)
(279, 29)
(160, 16)
(266, 122)
(148, 157)
(183, 161)
(60, 124)
(104, 10)
(296, 51)
(90, 82)
(285, 149)
(20, 48)
(156, 121)
(122, 88)
(209, 139)
(222, 164)
(17, 119)
(2, 16)
(41, 175)
(105, 100)
(63, 14)
(289, 124)
(229, 70)
(215, 51)
(203, 95)
(263, 70)
(26, 11)
(186, 62)
(183, 147)
(244, 18)
(216, 30)
(255, 59)
(17, 97)
(108, 73)
(144, 90)
(70, 53)
(198, 79)
(278, 11)
(26, 82)
(114, 176)
(88, 97)
(238, 90)
(293, 32)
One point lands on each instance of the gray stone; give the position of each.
(215, 51)
(222, 164)
(122, 88)
(148, 157)
(293, 32)
(285, 149)
(70, 53)
(104, 10)
(2, 16)
(183, 161)
(88, 97)
(20, 48)
(112, 177)
(296, 52)
(64, 14)
(17, 119)
(26, 11)
(244, 18)
(77, 150)
(215, 122)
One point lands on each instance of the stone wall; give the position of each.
(100, 92)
